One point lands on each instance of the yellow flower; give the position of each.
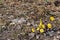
(37, 28)
(33, 30)
(52, 18)
(49, 25)
(41, 30)
(40, 22)
(43, 26)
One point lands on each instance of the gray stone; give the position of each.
(37, 36)
(31, 35)
(28, 23)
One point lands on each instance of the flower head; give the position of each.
(37, 28)
(52, 18)
(49, 25)
(33, 30)
(41, 30)
(40, 22)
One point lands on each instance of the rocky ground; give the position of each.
(18, 17)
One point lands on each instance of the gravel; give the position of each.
(18, 17)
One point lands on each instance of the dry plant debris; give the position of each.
(29, 19)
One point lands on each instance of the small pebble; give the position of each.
(3, 26)
(28, 23)
(57, 37)
(12, 23)
(18, 27)
(8, 39)
(58, 32)
(51, 33)
(55, 29)
(37, 36)
(35, 25)
(31, 35)
(21, 20)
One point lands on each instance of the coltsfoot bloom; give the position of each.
(41, 30)
(33, 30)
(37, 28)
(49, 25)
(40, 22)
(52, 18)
(41, 27)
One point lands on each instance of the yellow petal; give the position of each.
(41, 30)
(38, 28)
(33, 30)
(49, 25)
(40, 22)
(43, 26)
(52, 18)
